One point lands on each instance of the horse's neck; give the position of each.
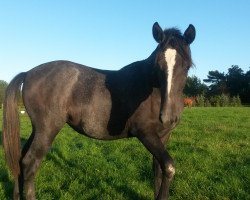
(136, 76)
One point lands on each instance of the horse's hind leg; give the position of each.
(33, 157)
(18, 188)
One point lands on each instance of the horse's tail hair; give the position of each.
(11, 124)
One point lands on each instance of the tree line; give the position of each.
(231, 88)
(3, 85)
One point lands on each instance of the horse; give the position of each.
(142, 100)
(189, 101)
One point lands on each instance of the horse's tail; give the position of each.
(11, 124)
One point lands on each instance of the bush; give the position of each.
(224, 100)
(200, 100)
(235, 101)
(214, 101)
(217, 101)
(207, 103)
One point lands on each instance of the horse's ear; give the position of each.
(158, 33)
(189, 34)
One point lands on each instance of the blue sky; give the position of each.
(111, 34)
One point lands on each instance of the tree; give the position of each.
(3, 86)
(194, 87)
(218, 83)
(245, 96)
(236, 83)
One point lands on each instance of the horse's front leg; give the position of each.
(164, 165)
(157, 177)
(157, 169)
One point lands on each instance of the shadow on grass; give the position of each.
(127, 191)
(189, 147)
(59, 160)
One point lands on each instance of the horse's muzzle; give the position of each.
(163, 119)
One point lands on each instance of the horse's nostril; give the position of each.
(174, 120)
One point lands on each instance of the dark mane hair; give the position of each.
(174, 38)
(174, 32)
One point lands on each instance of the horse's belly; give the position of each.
(94, 119)
(97, 131)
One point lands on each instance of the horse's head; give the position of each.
(173, 60)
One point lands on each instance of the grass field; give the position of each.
(210, 147)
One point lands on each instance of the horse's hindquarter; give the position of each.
(61, 91)
(46, 91)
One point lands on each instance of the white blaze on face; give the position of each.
(170, 57)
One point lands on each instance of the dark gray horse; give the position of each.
(143, 100)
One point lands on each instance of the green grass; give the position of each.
(210, 148)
